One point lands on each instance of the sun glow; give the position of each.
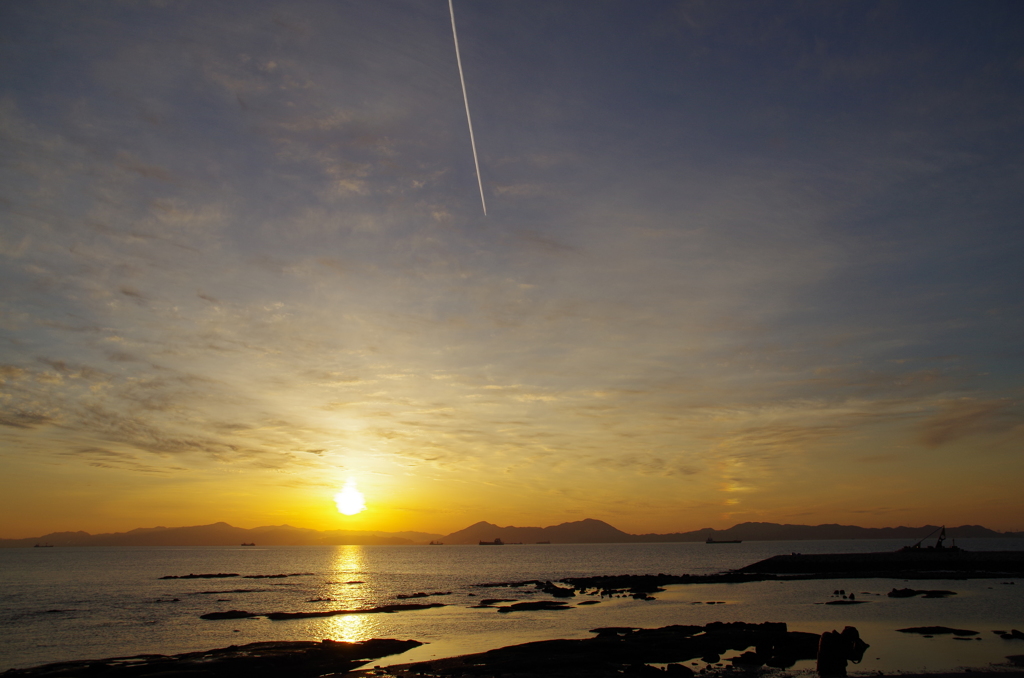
(350, 500)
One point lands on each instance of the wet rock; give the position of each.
(280, 616)
(230, 614)
(535, 605)
(510, 584)
(748, 659)
(617, 651)
(405, 596)
(938, 630)
(910, 593)
(836, 649)
(555, 590)
(490, 602)
(219, 575)
(613, 631)
(302, 659)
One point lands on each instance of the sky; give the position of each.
(741, 262)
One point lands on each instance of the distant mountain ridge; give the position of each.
(588, 531)
(223, 534)
(596, 532)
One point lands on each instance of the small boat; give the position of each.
(496, 542)
(249, 544)
(43, 546)
(723, 541)
(437, 543)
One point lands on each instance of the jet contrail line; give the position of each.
(469, 120)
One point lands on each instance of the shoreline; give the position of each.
(718, 649)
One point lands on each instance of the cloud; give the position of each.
(24, 420)
(99, 457)
(966, 418)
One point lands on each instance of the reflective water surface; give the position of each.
(78, 603)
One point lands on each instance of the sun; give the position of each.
(350, 500)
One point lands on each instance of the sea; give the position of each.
(73, 603)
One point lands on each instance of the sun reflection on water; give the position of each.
(349, 590)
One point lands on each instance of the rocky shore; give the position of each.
(716, 649)
(255, 660)
(945, 563)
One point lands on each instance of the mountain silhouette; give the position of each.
(588, 531)
(584, 531)
(223, 534)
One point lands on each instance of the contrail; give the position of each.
(469, 120)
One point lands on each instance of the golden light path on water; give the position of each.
(349, 567)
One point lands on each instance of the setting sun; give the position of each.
(350, 500)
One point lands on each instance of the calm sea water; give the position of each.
(84, 603)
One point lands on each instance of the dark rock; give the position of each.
(279, 616)
(836, 649)
(749, 659)
(910, 593)
(230, 614)
(301, 659)
(612, 631)
(938, 630)
(556, 591)
(510, 584)
(404, 596)
(619, 650)
(219, 575)
(535, 605)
